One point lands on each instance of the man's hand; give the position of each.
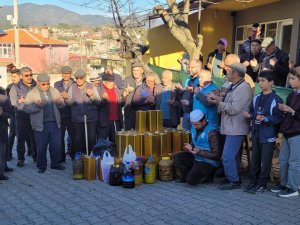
(171, 101)
(150, 99)
(273, 61)
(22, 100)
(190, 89)
(253, 63)
(90, 92)
(187, 147)
(213, 99)
(179, 87)
(185, 102)
(105, 96)
(246, 115)
(285, 108)
(246, 63)
(64, 95)
(196, 90)
(260, 118)
(39, 104)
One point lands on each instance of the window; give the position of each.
(280, 30)
(6, 51)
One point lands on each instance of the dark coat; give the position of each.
(142, 93)
(174, 108)
(281, 68)
(252, 72)
(4, 104)
(103, 108)
(65, 113)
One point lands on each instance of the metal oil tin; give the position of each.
(140, 121)
(159, 120)
(151, 120)
(162, 144)
(150, 145)
(186, 137)
(176, 140)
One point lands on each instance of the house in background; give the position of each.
(36, 51)
(231, 19)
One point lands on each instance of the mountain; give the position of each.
(37, 15)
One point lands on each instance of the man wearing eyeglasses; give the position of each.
(24, 131)
(42, 103)
(254, 34)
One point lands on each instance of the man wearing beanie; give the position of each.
(83, 99)
(65, 113)
(216, 58)
(42, 104)
(110, 108)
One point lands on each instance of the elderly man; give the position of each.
(42, 104)
(233, 124)
(24, 132)
(5, 113)
(109, 70)
(83, 98)
(95, 79)
(192, 81)
(110, 108)
(252, 59)
(65, 113)
(201, 159)
(204, 88)
(146, 95)
(129, 85)
(168, 101)
(276, 60)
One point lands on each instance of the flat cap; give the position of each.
(94, 76)
(239, 67)
(108, 77)
(80, 73)
(137, 64)
(196, 115)
(66, 69)
(267, 42)
(43, 77)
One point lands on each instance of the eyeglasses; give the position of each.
(254, 31)
(28, 75)
(45, 84)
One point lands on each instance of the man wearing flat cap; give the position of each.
(95, 79)
(252, 59)
(276, 60)
(117, 78)
(83, 99)
(201, 158)
(110, 108)
(234, 126)
(129, 85)
(66, 124)
(43, 103)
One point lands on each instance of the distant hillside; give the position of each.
(37, 15)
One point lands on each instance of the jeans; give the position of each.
(289, 160)
(261, 161)
(66, 125)
(193, 171)
(186, 123)
(50, 135)
(230, 156)
(11, 135)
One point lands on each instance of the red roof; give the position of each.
(29, 38)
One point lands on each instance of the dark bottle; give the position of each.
(128, 176)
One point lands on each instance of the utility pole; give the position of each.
(17, 35)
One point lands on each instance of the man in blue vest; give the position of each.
(199, 160)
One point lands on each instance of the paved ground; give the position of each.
(54, 198)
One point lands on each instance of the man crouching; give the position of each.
(201, 159)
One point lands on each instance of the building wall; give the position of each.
(33, 57)
(56, 55)
(284, 9)
(164, 48)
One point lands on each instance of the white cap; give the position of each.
(196, 115)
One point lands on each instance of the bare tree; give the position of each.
(177, 19)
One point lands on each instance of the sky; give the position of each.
(73, 5)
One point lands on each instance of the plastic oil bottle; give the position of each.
(128, 176)
(78, 166)
(138, 172)
(150, 171)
